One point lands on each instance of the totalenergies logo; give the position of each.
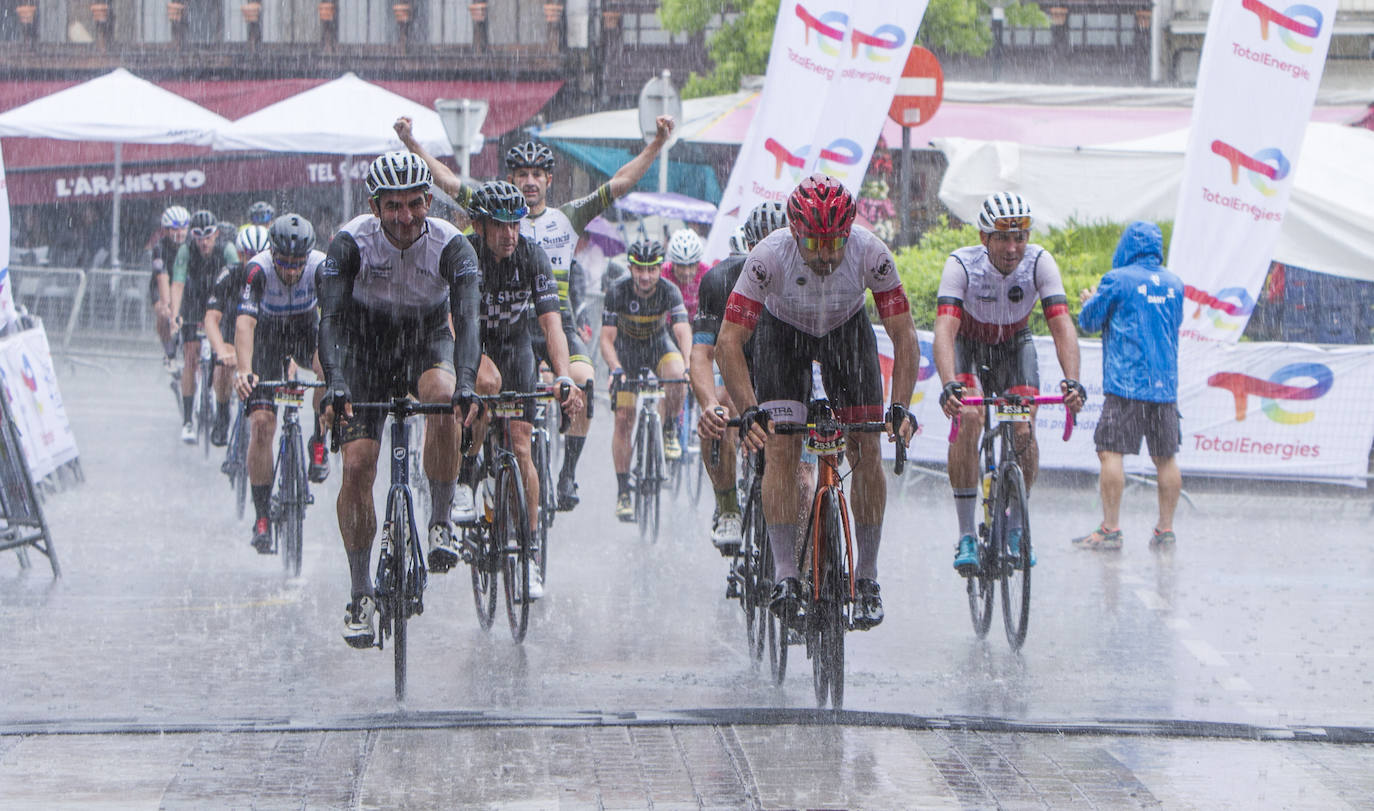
(1265, 164)
(924, 369)
(1276, 388)
(1226, 310)
(841, 152)
(831, 28)
(26, 373)
(1289, 23)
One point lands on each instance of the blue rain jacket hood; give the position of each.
(1138, 308)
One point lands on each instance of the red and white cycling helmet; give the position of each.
(821, 206)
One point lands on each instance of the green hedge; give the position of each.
(1084, 254)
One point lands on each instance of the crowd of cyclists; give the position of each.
(399, 302)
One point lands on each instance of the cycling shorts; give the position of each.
(848, 357)
(514, 359)
(189, 330)
(1124, 422)
(387, 363)
(635, 355)
(577, 348)
(1011, 366)
(276, 341)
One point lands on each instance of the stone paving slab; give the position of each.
(784, 766)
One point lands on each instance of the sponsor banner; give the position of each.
(7, 314)
(832, 73)
(1257, 81)
(1253, 410)
(30, 386)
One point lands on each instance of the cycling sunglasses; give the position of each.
(204, 232)
(290, 262)
(823, 243)
(509, 215)
(1012, 223)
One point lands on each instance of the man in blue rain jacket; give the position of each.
(1138, 307)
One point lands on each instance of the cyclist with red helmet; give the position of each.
(802, 294)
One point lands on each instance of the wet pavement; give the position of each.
(1232, 672)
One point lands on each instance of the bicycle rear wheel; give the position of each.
(513, 542)
(826, 619)
(291, 490)
(1014, 572)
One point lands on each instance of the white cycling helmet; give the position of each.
(1004, 211)
(738, 241)
(252, 240)
(685, 248)
(397, 171)
(175, 217)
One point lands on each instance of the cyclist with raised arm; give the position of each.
(801, 295)
(277, 323)
(517, 286)
(636, 318)
(394, 287)
(986, 295)
(529, 167)
(197, 266)
(175, 223)
(709, 390)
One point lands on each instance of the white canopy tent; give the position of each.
(347, 116)
(1326, 227)
(117, 107)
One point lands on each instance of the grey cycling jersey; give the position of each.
(395, 281)
(266, 296)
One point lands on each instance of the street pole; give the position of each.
(114, 214)
(463, 149)
(663, 154)
(904, 187)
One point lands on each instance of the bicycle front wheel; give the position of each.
(547, 500)
(487, 561)
(238, 463)
(205, 410)
(982, 586)
(1013, 570)
(291, 494)
(513, 542)
(826, 618)
(392, 571)
(651, 483)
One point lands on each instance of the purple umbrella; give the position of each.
(606, 236)
(668, 204)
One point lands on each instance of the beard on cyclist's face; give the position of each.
(646, 277)
(206, 244)
(532, 182)
(499, 237)
(821, 255)
(402, 214)
(1006, 249)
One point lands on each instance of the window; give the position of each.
(646, 29)
(1102, 30)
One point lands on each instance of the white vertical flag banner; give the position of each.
(1257, 82)
(7, 314)
(832, 73)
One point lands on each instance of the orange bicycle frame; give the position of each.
(828, 478)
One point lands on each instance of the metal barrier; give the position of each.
(95, 305)
(52, 294)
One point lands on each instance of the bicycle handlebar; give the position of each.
(1046, 399)
(849, 427)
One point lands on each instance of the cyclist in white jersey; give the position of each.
(277, 322)
(802, 292)
(556, 230)
(983, 343)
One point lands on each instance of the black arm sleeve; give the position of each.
(335, 282)
(458, 264)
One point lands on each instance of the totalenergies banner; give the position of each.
(7, 314)
(29, 382)
(1257, 82)
(1253, 410)
(832, 73)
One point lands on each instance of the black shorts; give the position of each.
(514, 359)
(1011, 366)
(1124, 422)
(189, 330)
(636, 355)
(388, 363)
(275, 342)
(227, 331)
(848, 356)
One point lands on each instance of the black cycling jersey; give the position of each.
(198, 272)
(164, 254)
(225, 296)
(368, 288)
(711, 297)
(516, 289)
(642, 318)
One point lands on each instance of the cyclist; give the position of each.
(516, 281)
(635, 320)
(221, 313)
(985, 298)
(176, 221)
(802, 293)
(710, 392)
(277, 323)
(389, 285)
(260, 213)
(529, 166)
(197, 266)
(685, 268)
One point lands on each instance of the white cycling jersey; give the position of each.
(992, 307)
(400, 281)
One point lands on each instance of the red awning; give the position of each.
(510, 105)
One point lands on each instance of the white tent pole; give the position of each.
(114, 215)
(347, 213)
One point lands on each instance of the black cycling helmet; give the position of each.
(530, 155)
(203, 222)
(261, 213)
(291, 236)
(763, 220)
(646, 252)
(497, 200)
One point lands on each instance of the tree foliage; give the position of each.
(740, 48)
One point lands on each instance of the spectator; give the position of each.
(1138, 308)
